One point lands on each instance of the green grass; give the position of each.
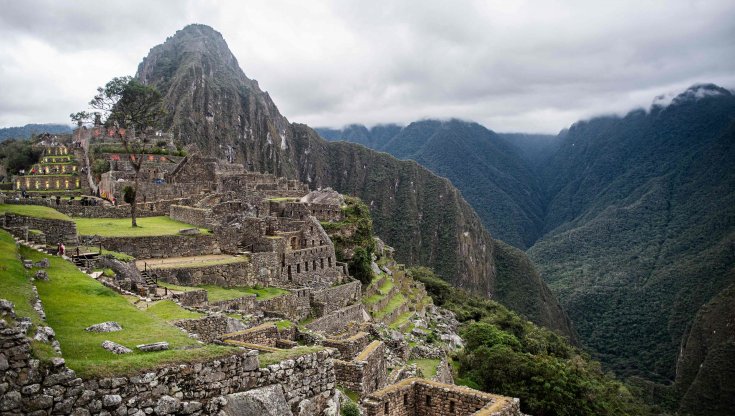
(392, 305)
(284, 324)
(352, 395)
(36, 211)
(280, 355)
(372, 299)
(169, 311)
(15, 283)
(280, 199)
(73, 302)
(120, 227)
(428, 366)
(387, 286)
(218, 293)
(402, 319)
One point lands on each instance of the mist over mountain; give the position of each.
(630, 219)
(214, 107)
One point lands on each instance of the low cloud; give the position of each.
(512, 66)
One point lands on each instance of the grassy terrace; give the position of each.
(170, 311)
(217, 293)
(15, 284)
(73, 302)
(428, 366)
(395, 302)
(37, 211)
(120, 227)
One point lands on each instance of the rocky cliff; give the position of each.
(213, 105)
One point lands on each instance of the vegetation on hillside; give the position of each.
(506, 354)
(17, 155)
(353, 238)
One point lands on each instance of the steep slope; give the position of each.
(705, 375)
(213, 105)
(489, 171)
(641, 226)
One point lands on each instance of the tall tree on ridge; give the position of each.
(133, 109)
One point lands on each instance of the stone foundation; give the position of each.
(29, 386)
(56, 231)
(366, 373)
(419, 397)
(158, 246)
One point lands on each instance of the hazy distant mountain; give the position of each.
(25, 132)
(212, 104)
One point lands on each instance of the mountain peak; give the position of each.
(692, 94)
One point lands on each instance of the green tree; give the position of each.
(126, 103)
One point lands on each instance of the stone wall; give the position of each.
(210, 328)
(55, 230)
(418, 397)
(226, 275)
(192, 297)
(348, 347)
(337, 321)
(30, 386)
(158, 246)
(329, 300)
(366, 373)
(191, 215)
(244, 304)
(294, 305)
(265, 334)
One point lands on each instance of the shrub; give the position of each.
(350, 409)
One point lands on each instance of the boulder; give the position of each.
(167, 405)
(265, 401)
(6, 308)
(44, 263)
(116, 348)
(189, 231)
(156, 346)
(109, 326)
(41, 275)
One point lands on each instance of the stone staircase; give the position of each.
(149, 277)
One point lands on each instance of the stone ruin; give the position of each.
(271, 230)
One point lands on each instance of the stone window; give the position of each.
(298, 267)
(451, 406)
(306, 266)
(289, 272)
(387, 407)
(329, 261)
(428, 401)
(405, 399)
(322, 262)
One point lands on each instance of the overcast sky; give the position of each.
(530, 66)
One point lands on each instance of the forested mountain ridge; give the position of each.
(492, 174)
(212, 105)
(641, 226)
(637, 220)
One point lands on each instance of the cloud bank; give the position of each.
(512, 66)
